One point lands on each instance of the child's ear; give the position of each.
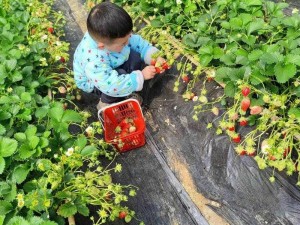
(101, 45)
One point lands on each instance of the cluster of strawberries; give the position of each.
(158, 66)
(125, 127)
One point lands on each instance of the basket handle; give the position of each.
(114, 104)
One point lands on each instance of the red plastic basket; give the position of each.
(112, 115)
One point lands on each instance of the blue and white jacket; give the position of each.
(94, 67)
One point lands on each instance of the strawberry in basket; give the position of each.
(125, 127)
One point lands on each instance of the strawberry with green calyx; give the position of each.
(230, 127)
(118, 129)
(122, 214)
(185, 78)
(245, 104)
(240, 150)
(236, 138)
(50, 30)
(243, 121)
(245, 91)
(255, 110)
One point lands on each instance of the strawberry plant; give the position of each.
(43, 142)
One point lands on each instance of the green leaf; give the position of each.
(71, 116)
(88, 150)
(31, 131)
(5, 100)
(191, 40)
(11, 64)
(257, 78)
(33, 141)
(56, 113)
(66, 210)
(295, 112)
(256, 25)
(7, 146)
(21, 137)
(293, 59)
(2, 129)
(20, 173)
(2, 166)
(41, 112)
(48, 223)
(26, 97)
(156, 23)
(284, 72)
(83, 209)
(17, 220)
(230, 89)
(81, 142)
(270, 58)
(255, 55)
(2, 219)
(25, 151)
(205, 59)
(4, 115)
(5, 207)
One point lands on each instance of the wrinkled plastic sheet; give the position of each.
(243, 190)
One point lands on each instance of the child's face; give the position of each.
(116, 45)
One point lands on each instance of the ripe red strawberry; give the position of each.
(245, 103)
(153, 62)
(122, 214)
(185, 79)
(165, 66)
(243, 122)
(232, 128)
(62, 59)
(252, 154)
(272, 157)
(245, 91)
(209, 79)
(157, 69)
(50, 30)
(236, 139)
(243, 152)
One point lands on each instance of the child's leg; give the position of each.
(134, 62)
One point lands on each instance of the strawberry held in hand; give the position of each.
(159, 64)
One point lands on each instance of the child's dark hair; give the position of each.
(108, 21)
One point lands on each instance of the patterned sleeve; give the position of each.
(137, 43)
(108, 81)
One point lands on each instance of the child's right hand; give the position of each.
(149, 72)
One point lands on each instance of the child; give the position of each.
(109, 59)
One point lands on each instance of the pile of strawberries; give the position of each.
(125, 127)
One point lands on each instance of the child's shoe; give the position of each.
(137, 97)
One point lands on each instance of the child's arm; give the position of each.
(108, 81)
(142, 46)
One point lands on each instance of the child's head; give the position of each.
(110, 26)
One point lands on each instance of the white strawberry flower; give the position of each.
(70, 151)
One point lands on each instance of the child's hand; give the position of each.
(160, 64)
(149, 72)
